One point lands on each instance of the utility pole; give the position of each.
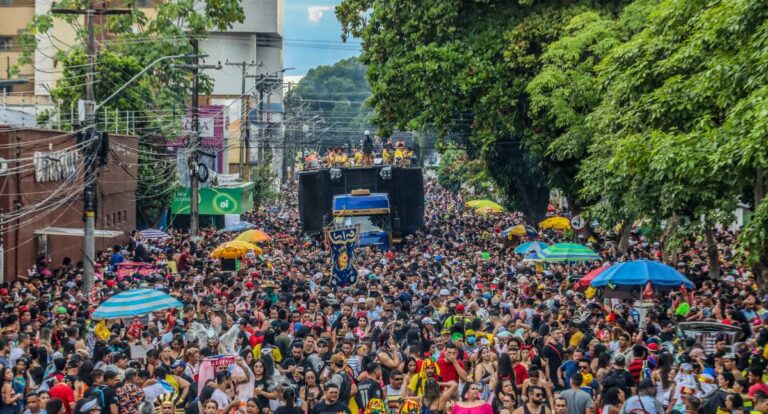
(194, 147)
(245, 127)
(92, 139)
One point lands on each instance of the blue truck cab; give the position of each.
(371, 211)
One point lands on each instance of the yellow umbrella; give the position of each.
(559, 223)
(254, 236)
(235, 249)
(484, 203)
(485, 210)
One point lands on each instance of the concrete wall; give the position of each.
(116, 197)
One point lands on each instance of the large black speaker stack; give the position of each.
(405, 189)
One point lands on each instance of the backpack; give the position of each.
(98, 393)
(615, 378)
(345, 390)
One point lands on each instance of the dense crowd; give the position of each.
(451, 321)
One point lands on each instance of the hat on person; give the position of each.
(444, 292)
(653, 347)
(428, 321)
(730, 356)
(179, 363)
(619, 359)
(460, 307)
(4, 291)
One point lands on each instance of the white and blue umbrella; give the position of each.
(531, 246)
(137, 302)
(154, 234)
(239, 227)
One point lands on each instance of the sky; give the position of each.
(313, 36)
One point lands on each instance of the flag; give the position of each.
(343, 241)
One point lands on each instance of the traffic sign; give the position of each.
(578, 223)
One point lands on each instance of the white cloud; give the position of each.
(315, 13)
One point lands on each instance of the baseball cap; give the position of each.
(179, 363)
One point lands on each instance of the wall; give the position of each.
(116, 197)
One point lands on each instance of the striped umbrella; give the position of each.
(568, 252)
(154, 234)
(137, 302)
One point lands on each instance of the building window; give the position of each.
(108, 220)
(6, 42)
(125, 215)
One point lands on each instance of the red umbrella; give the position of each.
(587, 279)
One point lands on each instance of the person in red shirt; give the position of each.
(64, 393)
(756, 384)
(521, 372)
(635, 367)
(451, 369)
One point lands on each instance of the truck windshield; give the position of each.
(373, 223)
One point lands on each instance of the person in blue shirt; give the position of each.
(116, 258)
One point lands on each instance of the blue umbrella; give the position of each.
(239, 227)
(639, 273)
(137, 302)
(533, 256)
(531, 246)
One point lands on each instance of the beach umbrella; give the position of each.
(137, 302)
(235, 249)
(238, 227)
(531, 246)
(585, 281)
(254, 236)
(520, 230)
(568, 252)
(639, 273)
(476, 204)
(485, 210)
(533, 256)
(154, 234)
(557, 223)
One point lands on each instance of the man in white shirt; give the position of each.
(20, 349)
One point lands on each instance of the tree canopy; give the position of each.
(332, 97)
(635, 110)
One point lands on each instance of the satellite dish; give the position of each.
(3, 165)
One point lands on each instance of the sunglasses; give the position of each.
(538, 395)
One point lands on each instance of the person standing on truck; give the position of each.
(367, 149)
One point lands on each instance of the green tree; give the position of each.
(682, 114)
(332, 97)
(462, 68)
(157, 98)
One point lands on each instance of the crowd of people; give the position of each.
(452, 321)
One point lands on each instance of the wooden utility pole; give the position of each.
(92, 139)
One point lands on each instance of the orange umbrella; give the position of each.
(254, 236)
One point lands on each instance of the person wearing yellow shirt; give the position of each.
(342, 159)
(358, 159)
(385, 156)
(576, 336)
(398, 159)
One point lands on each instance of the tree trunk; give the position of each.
(668, 255)
(759, 188)
(534, 199)
(626, 229)
(712, 254)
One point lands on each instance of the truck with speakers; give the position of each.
(386, 201)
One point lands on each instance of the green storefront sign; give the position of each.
(215, 200)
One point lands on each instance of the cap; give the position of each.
(460, 307)
(653, 346)
(428, 321)
(178, 363)
(444, 292)
(619, 359)
(4, 291)
(730, 356)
